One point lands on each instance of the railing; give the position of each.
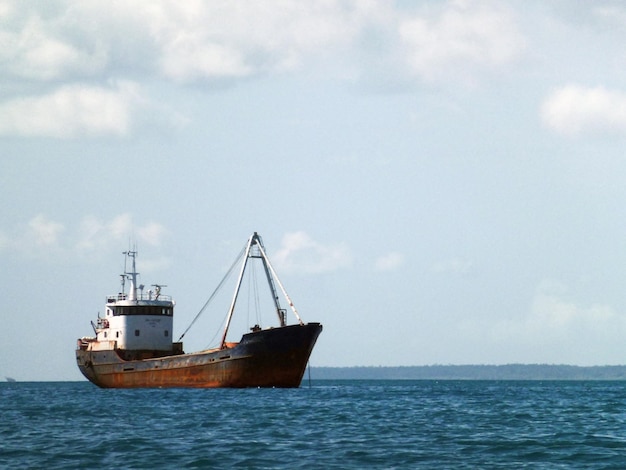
(140, 296)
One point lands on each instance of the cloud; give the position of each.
(556, 329)
(40, 43)
(300, 253)
(389, 262)
(464, 36)
(555, 315)
(576, 110)
(152, 233)
(44, 232)
(197, 41)
(58, 57)
(183, 41)
(42, 235)
(72, 111)
(557, 323)
(95, 234)
(38, 238)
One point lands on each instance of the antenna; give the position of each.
(157, 290)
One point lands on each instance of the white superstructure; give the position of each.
(136, 320)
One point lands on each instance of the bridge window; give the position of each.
(143, 310)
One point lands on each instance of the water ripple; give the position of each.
(333, 424)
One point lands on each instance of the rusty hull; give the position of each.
(275, 357)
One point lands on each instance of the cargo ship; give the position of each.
(133, 345)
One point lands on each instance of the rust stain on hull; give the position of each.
(274, 357)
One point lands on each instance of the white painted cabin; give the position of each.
(136, 321)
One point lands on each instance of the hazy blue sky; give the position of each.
(436, 182)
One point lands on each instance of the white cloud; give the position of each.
(552, 314)
(44, 232)
(556, 329)
(300, 253)
(183, 41)
(389, 262)
(38, 238)
(185, 61)
(40, 43)
(36, 55)
(218, 40)
(576, 110)
(193, 41)
(64, 43)
(72, 111)
(121, 226)
(92, 235)
(95, 234)
(464, 36)
(152, 233)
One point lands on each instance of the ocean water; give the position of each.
(324, 424)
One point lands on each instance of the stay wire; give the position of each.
(230, 270)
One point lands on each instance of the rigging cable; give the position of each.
(230, 270)
(217, 332)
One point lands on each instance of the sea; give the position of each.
(323, 424)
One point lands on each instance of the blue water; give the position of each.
(331, 424)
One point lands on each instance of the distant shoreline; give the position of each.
(471, 372)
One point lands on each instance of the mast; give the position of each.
(255, 240)
(132, 293)
(279, 311)
(232, 304)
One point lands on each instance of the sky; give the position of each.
(435, 182)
